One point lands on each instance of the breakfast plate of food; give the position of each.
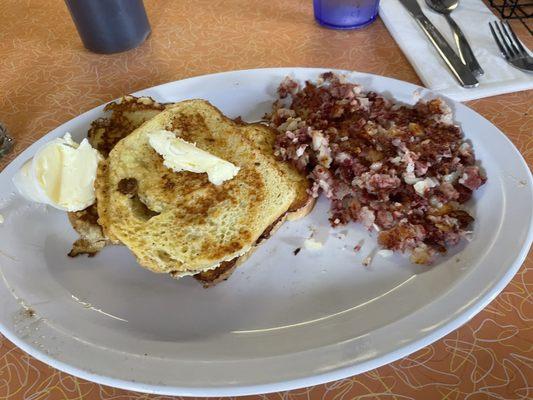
(256, 231)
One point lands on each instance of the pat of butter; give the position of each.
(180, 155)
(61, 174)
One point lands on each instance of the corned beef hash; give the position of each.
(403, 171)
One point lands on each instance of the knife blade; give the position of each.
(463, 75)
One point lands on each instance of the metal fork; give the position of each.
(510, 47)
(6, 142)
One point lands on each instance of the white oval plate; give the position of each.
(282, 321)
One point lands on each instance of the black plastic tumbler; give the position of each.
(110, 26)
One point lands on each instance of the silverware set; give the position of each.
(459, 70)
(463, 64)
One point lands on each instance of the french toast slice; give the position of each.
(180, 222)
(128, 114)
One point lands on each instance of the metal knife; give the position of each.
(463, 75)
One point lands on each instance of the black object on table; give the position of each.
(6, 142)
(110, 26)
(515, 9)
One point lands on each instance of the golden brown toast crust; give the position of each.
(127, 114)
(264, 137)
(212, 277)
(92, 239)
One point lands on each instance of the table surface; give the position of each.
(47, 78)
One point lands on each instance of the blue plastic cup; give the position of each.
(110, 26)
(345, 14)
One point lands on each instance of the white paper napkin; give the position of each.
(473, 17)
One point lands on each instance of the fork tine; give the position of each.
(497, 40)
(510, 51)
(510, 39)
(521, 48)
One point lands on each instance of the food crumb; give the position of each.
(385, 253)
(342, 234)
(358, 246)
(297, 250)
(368, 259)
(469, 235)
(29, 312)
(312, 244)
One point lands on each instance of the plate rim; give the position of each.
(319, 378)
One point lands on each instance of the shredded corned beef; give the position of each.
(401, 170)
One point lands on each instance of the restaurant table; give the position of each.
(47, 78)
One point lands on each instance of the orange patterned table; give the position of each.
(47, 78)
